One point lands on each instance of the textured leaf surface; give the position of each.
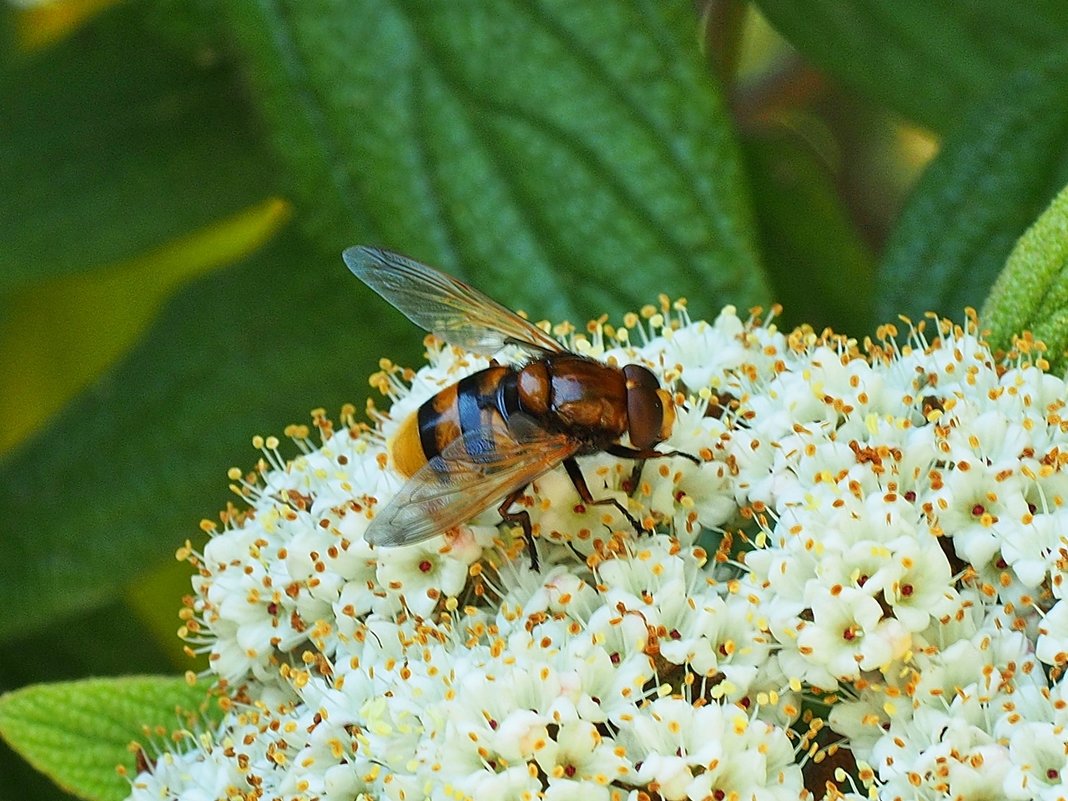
(931, 60)
(122, 476)
(991, 179)
(78, 732)
(114, 142)
(572, 157)
(1032, 291)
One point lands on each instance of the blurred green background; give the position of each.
(177, 180)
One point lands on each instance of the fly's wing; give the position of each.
(471, 474)
(445, 306)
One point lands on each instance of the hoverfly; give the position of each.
(484, 439)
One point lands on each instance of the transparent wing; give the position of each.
(456, 486)
(443, 305)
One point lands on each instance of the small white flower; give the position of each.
(849, 634)
(578, 755)
(422, 575)
(1039, 756)
(979, 507)
(1035, 547)
(1052, 645)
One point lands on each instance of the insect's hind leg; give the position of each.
(522, 519)
(574, 472)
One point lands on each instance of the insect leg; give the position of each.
(574, 472)
(623, 452)
(522, 517)
(631, 484)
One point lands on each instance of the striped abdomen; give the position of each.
(481, 401)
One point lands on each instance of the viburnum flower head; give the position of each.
(857, 580)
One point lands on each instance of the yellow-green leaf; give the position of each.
(38, 26)
(1031, 294)
(79, 733)
(64, 331)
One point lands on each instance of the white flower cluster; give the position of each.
(873, 547)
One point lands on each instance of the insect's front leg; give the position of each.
(521, 518)
(623, 452)
(574, 472)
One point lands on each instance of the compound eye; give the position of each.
(645, 408)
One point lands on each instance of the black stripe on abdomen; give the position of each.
(428, 418)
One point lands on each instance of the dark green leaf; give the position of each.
(194, 26)
(109, 641)
(78, 732)
(820, 268)
(931, 60)
(123, 475)
(992, 178)
(114, 142)
(1031, 294)
(574, 153)
(22, 783)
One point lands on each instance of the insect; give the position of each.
(484, 439)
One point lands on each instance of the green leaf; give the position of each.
(575, 155)
(820, 268)
(992, 178)
(120, 478)
(79, 732)
(113, 142)
(1031, 294)
(931, 60)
